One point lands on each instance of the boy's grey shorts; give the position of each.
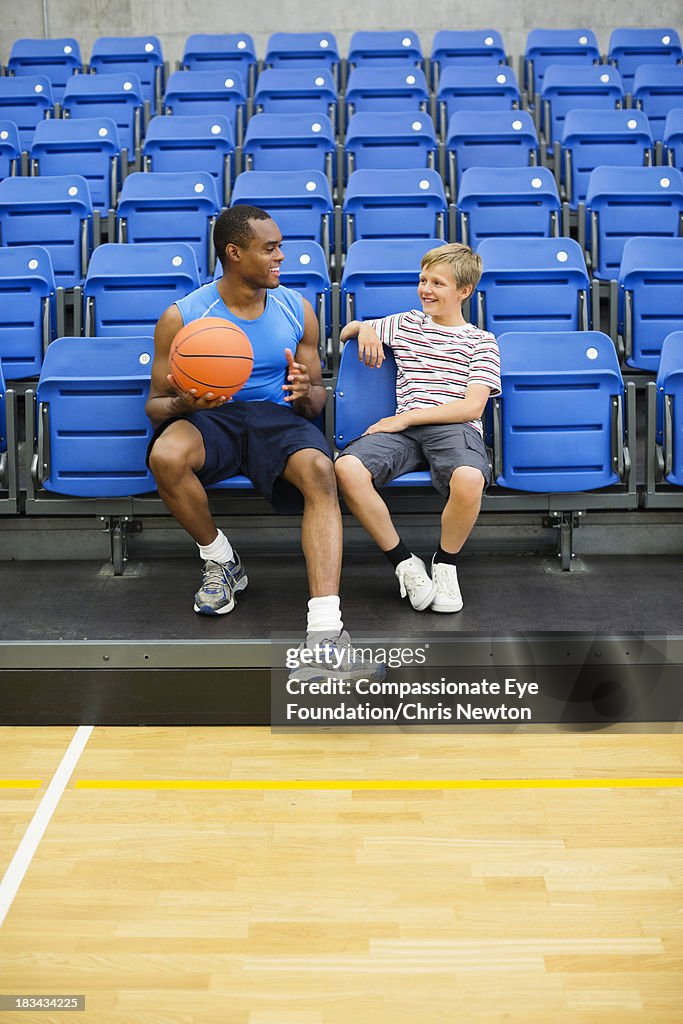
(438, 448)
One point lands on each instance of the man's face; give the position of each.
(260, 261)
(439, 293)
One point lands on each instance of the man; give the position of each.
(265, 432)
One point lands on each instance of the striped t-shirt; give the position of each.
(435, 364)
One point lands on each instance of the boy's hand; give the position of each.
(390, 424)
(370, 348)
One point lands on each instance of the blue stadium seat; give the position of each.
(657, 89)
(466, 48)
(501, 139)
(196, 142)
(673, 138)
(381, 277)
(128, 287)
(364, 395)
(631, 47)
(27, 310)
(91, 426)
(296, 91)
(650, 298)
(408, 203)
(380, 89)
(623, 202)
(390, 139)
(597, 138)
(118, 96)
(57, 59)
(547, 46)
(195, 93)
(533, 284)
(669, 393)
(558, 424)
(568, 88)
(300, 202)
(475, 88)
(222, 52)
(26, 101)
(53, 212)
(302, 50)
(291, 142)
(507, 202)
(178, 207)
(392, 48)
(141, 55)
(90, 144)
(10, 150)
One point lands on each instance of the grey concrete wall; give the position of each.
(174, 20)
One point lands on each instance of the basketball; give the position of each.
(211, 354)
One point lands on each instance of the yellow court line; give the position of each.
(377, 784)
(20, 783)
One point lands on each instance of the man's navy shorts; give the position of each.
(255, 439)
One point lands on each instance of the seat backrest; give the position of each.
(501, 139)
(568, 88)
(670, 403)
(128, 287)
(276, 142)
(27, 313)
(558, 411)
(57, 59)
(363, 394)
(117, 95)
(386, 88)
(404, 203)
(476, 88)
(503, 202)
(296, 91)
(628, 201)
(140, 54)
(546, 46)
(385, 48)
(299, 201)
(10, 149)
(95, 391)
(651, 297)
(302, 50)
(532, 284)
(466, 48)
(673, 137)
(54, 212)
(657, 89)
(599, 138)
(381, 277)
(208, 92)
(196, 142)
(220, 52)
(390, 139)
(3, 416)
(90, 144)
(631, 47)
(26, 100)
(175, 207)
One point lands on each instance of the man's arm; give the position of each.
(370, 348)
(165, 400)
(307, 393)
(460, 410)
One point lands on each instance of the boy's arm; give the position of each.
(460, 410)
(370, 348)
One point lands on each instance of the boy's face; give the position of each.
(439, 293)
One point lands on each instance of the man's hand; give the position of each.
(370, 348)
(298, 381)
(190, 401)
(390, 424)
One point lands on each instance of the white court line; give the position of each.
(21, 860)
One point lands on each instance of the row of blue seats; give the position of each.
(534, 284)
(28, 100)
(396, 140)
(628, 47)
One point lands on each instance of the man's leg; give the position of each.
(312, 472)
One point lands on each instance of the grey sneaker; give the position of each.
(415, 582)
(220, 583)
(321, 657)
(448, 597)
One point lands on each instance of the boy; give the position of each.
(446, 371)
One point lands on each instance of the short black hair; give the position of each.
(233, 227)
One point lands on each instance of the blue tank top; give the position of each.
(280, 326)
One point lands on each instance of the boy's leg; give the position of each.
(462, 508)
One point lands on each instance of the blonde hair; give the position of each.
(465, 264)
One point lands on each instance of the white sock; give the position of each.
(219, 550)
(324, 616)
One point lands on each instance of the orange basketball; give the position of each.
(211, 354)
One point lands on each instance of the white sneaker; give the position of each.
(448, 597)
(415, 582)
